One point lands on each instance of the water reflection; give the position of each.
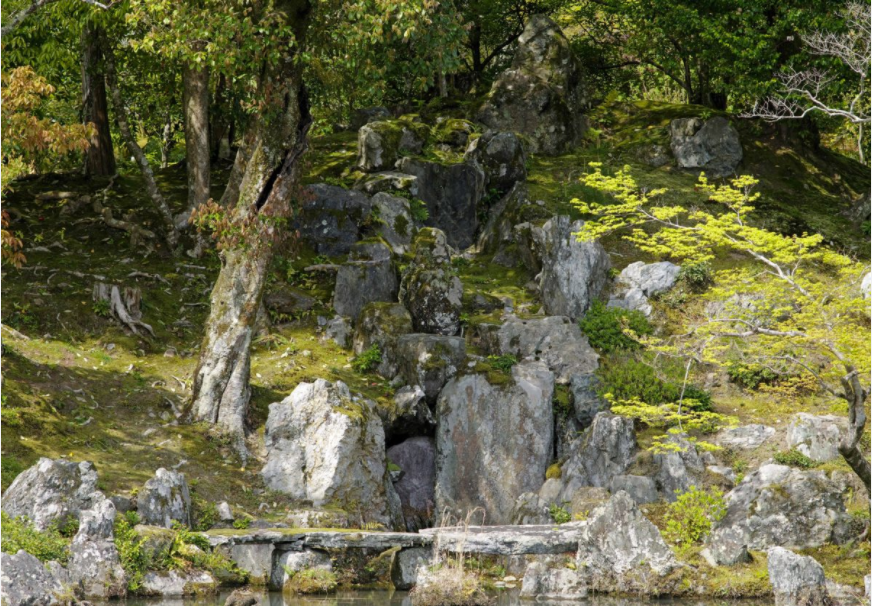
(401, 598)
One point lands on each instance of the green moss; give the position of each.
(553, 472)
(46, 545)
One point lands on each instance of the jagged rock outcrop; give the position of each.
(165, 499)
(745, 437)
(796, 580)
(711, 145)
(329, 220)
(327, 446)
(416, 458)
(382, 324)
(779, 506)
(380, 144)
(409, 416)
(178, 583)
(25, 581)
(639, 281)
(430, 360)
(817, 437)
(542, 94)
(52, 491)
(501, 157)
(395, 223)
(493, 442)
(430, 290)
(586, 400)
(573, 273)
(452, 193)
(368, 276)
(94, 561)
(678, 470)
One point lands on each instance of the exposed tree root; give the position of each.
(124, 306)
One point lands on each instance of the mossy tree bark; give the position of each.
(266, 197)
(100, 156)
(196, 99)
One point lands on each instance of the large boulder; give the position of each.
(555, 340)
(177, 583)
(382, 324)
(430, 290)
(365, 115)
(329, 220)
(501, 157)
(380, 144)
(711, 145)
(430, 360)
(394, 221)
(452, 193)
(779, 506)
(416, 458)
(287, 563)
(586, 398)
(639, 281)
(745, 437)
(573, 273)
(678, 469)
(368, 275)
(95, 564)
(493, 442)
(541, 95)
(326, 446)
(405, 565)
(52, 491)
(817, 437)
(796, 580)
(25, 581)
(165, 499)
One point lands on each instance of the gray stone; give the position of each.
(389, 181)
(639, 280)
(678, 470)
(416, 457)
(253, 558)
(165, 498)
(493, 442)
(368, 114)
(285, 300)
(776, 506)
(502, 158)
(551, 580)
(26, 581)
(395, 223)
(452, 193)
(326, 446)
(123, 504)
(339, 331)
(506, 540)
(382, 324)
(177, 583)
(796, 580)
(745, 437)
(330, 220)
(404, 566)
(541, 95)
(410, 415)
(51, 491)
(430, 361)
(573, 273)
(317, 518)
(712, 146)
(429, 289)
(243, 596)
(368, 276)
(604, 451)
(817, 437)
(641, 489)
(225, 514)
(379, 144)
(94, 561)
(296, 561)
(586, 401)
(724, 472)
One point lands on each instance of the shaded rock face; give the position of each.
(493, 442)
(452, 193)
(286, 563)
(586, 401)
(555, 340)
(368, 276)
(776, 506)
(52, 491)
(573, 273)
(712, 145)
(430, 360)
(641, 489)
(745, 437)
(429, 289)
(501, 157)
(382, 324)
(817, 437)
(416, 457)
(796, 580)
(165, 498)
(678, 470)
(410, 416)
(330, 221)
(395, 223)
(26, 581)
(338, 330)
(380, 144)
(639, 280)
(405, 564)
(604, 451)
(326, 446)
(369, 114)
(94, 560)
(541, 95)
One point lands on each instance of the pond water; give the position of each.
(401, 598)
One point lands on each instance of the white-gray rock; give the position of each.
(295, 561)
(641, 489)
(165, 499)
(177, 583)
(712, 145)
(225, 514)
(817, 437)
(796, 580)
(745, 437)
(640, 280)
(551, 580)
(405, 564)
(254, 558)
(502, 158)
(367, 276)
(339, 331)
(430, 290)
(94, 561)
(380, 143)
(25, 581)
(395, 223)
(430, 360)
(678, 470)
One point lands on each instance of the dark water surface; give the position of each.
(401, 598)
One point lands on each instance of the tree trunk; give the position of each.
(196, 100)
(279, 138)
(166, 142)
(99, 157)
(849, 447)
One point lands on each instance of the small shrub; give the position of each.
(689, 519)
(101, 308)
(131, 550)
(559, 515)
(46, 545)
(368, 359)
(311, 580)
(750, 376)
(205, 513)
(502, 363)
(634, 380)
(241, 523)
(449, 586)
(697, 276)
(418, 209)
(794, 458)
(611, 329)
(553, 472)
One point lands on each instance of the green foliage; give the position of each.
(794, 458)
(205, 513)
(19, 533)
(553, 472)
(101, 308)
(502, 363)
(611, 329)
(241, 523)
(559, 515)
(689, 519)
(750, 376)
(131, 550)
(368, 359)
(629, 379)
(418, 209)
(311, 580)
(698, 276)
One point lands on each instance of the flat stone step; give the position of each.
(507, 540)
(299, 538)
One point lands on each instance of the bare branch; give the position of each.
(16, 19)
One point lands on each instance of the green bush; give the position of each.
(502, 363)
(697, 276)
(628, 379)
(131, 550)
(605, 327)
(368, 359)
(418, 209)
(794, 458)
(750, 376)
(559, 515)
(46, 545)
(689, 519)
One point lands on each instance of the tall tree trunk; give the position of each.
(99, 157)
(166, 141)
(279, 138)
(197, 152)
